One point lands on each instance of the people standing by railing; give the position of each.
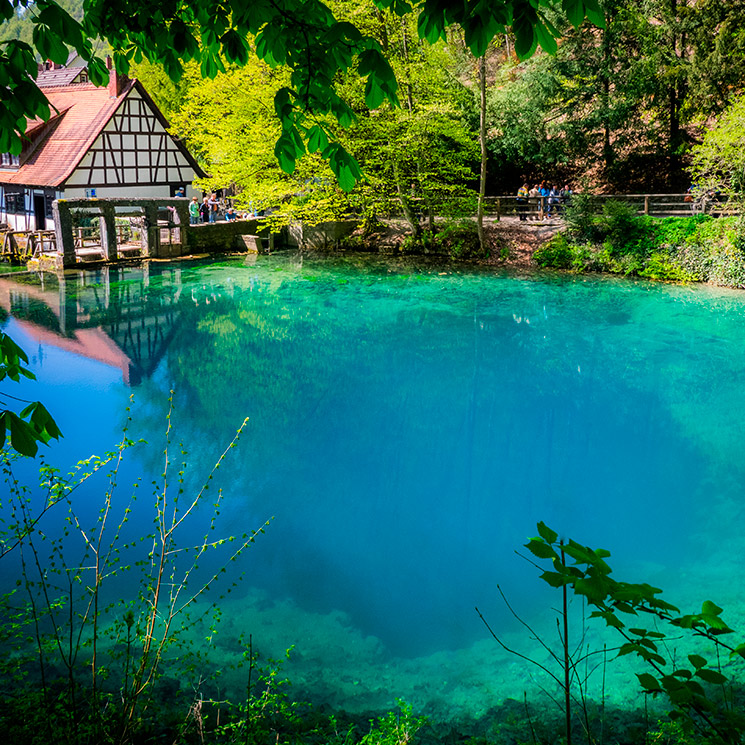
(554, 195)
(214, 205)
(522, 202)
(565, 197)
(535, 200)
(194, 211)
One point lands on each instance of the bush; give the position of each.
(457, 239)
(674, 249)
(579, 217)
(623, 230)
(460, 240)
(555, 253)
(660, 266)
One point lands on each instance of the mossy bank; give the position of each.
(696, 248)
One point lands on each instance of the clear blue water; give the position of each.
(409, 425)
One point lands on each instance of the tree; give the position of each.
(719, 161)
(303, 35)
(426, 149)
(622, 105)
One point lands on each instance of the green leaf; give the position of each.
(594, 13)
(283, 105)
(545, 38)
(284, 151)
(697, 661)
(649, 682)
(374, 94)
(580, 554)
(22, 437)
(546, 533)
(235, 47)
(540, 549)
(345, 167)
(575, 11)
(709, 607)
(431, 25)
(686, 674)
(555, 579)
(317, 139)
(711, 676)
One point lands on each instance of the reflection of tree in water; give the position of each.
(389, 408)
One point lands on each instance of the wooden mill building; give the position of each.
(99, 142)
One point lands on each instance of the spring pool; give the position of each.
(409, 424)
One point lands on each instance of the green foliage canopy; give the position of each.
(719, 161)
(303, 35)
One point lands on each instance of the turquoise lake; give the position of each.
(409, 424)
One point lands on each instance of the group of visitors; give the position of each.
(542, 200)
(209, 210)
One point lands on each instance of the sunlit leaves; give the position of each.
(302, 34)
(381, 82)
(577, 10)
(345, 167)
(317, 139)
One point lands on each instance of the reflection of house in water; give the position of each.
(110, 315)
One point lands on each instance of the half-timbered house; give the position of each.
(99, 142)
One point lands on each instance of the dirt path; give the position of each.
(521, 238)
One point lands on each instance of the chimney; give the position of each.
(117, 83)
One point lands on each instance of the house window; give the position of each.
(9, 161)
(14, 203)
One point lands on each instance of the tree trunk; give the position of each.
(407, 207)
(608, 154)
(482, 142)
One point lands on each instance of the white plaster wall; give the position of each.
(130, 191)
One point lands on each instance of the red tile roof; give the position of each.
(85, 110)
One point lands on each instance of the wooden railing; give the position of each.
(22, 245)
(655, 205)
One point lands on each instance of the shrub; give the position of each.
(554, 253)
(676, 231)
(579, 217)
(460, 240)
(661, 267)
(623, 230)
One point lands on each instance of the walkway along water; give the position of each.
(161, 227)
(119, 229)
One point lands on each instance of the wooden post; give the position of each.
(646, 204)
(499, 208)
(107, 221)
(63, 231)
(151, 232)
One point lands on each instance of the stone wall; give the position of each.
(320, 236)
(225, 236)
